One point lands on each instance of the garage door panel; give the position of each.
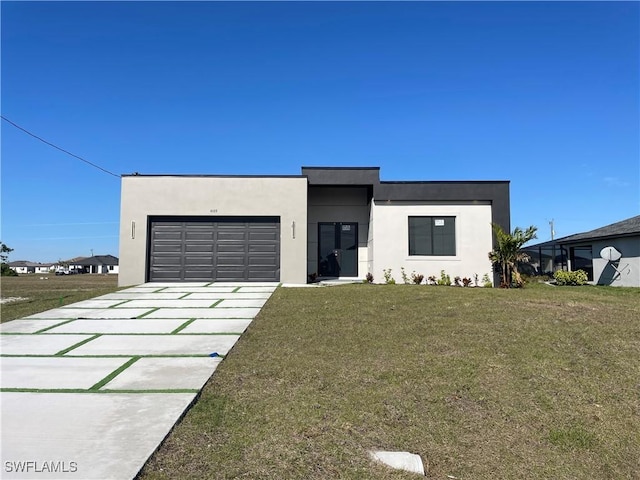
(167, 236)
(198, 274)
(231, 236)
(202, 236)
(224, 248)
(198, 248)
(198, 260)
(215, 248)
(263, 236)
(267, 260)
(264, 248)
(264, 275)
(167, 260)
(166, 274)
(232, 260)
(230, 274)
(168, 248)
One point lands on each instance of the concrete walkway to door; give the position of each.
(89, 390)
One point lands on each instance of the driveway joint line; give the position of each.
(54, 326)
(148, 313)
(183, 326)
(118, 304)
(114, 374)
(68, 349)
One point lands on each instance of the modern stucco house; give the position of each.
(582, 252)
(333, 222)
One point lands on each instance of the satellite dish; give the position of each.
(610, 254)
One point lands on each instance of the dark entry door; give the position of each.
(338, 249)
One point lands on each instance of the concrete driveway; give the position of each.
(89, 390)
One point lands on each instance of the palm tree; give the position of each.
(507, 252)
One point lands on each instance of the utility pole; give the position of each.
(92, 248)
(553, 233)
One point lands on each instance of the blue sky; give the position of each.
(543, 94)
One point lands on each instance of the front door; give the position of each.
(338, 249)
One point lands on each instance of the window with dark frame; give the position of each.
(435, 236)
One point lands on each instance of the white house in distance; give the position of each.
(332, 222)
(97, 264)
(582, 251)
(24, 266)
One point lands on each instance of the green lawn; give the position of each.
(541, 382)
(40, 292)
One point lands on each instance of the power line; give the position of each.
(55, 146)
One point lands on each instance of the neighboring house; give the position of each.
(45, 268)
(71, 265)
(24, 266)
(332, 222)
(96, 264)
(582, 251)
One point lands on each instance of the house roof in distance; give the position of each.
(27, 263)
(624, 228)
(98, 260)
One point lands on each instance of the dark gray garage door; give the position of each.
(214, 249)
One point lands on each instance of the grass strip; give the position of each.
(148, 313)
(72, 347)
(118, 304)
(235, 289)
(79, 390)
(217, 302)
(184, 296)
(114, 374)
(54, 326)
(183, 326)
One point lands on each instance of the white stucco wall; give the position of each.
(144, 196)
(390, 248)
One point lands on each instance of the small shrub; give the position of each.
(466, 282)
(369, 278)
(486, 281)
(388, 279)
(579, 277)
(405, 277)
(444, 279)
(313, 277)
(417, 278)
(432, 280)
